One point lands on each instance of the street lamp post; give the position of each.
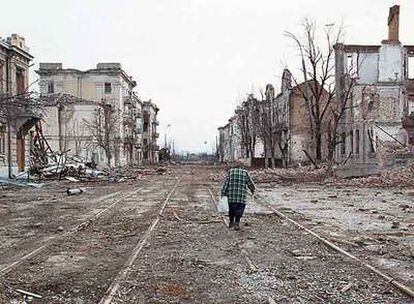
(165, 135)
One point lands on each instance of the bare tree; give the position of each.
(104, 130)
(327, 95)
(317, 55)
(272, 125)
(79, 136)
(344, 94)
(247, 124)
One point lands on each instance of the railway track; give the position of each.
(122, 274)
(45, 243)
(387, 278)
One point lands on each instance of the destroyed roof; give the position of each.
(56, 68)
(7, 45)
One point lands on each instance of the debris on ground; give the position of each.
(75, 191)
(304, 174)
(10, 182)
(402, 177)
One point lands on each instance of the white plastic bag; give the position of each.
(223, 205)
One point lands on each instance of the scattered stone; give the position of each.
(347, 287)
(395, 225)
(60, 228)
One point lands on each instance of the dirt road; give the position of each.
(161, 240)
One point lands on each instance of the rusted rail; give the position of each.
(390, 280)
(48, 241)
(116, 283)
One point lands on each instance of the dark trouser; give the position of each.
(236, 212)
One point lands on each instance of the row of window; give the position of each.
(354, 141)
(351, 141)
(353, 62)
(51, 87)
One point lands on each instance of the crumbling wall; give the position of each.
(391, 62)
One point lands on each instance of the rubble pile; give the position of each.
(401, 177)
(305, 174)
(292, 175)
(59, 165)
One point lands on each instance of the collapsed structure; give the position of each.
(373, 102)
(380, 119)
(106, 123)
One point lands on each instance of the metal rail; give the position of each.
(77, 228)
(390, 280)
(116, 283)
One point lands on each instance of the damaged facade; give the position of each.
(16, 117)
(278, 127)
(380, 116)
(150, 133)
(106, 101)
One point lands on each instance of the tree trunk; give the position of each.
(318, 142)
(273, 162)
(266, 164)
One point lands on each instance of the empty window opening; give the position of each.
(108, 87)
(2, 139)
(351, 142)
(411, 67)
(343, 143)
(51, 87)
(371, 140)
(357, 141)
(20, 81)
(352, 64)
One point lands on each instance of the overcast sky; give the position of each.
(194, 58)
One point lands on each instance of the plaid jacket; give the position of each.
(236, 184)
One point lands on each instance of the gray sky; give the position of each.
(194, 58)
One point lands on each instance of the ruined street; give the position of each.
(160, 239)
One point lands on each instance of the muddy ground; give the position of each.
(375, 223)
(190, 255)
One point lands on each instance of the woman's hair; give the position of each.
(237, 164)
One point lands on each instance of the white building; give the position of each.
(68, 125)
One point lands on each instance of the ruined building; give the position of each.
(15, 121)
(230, 146)
(107, 104)
(275, 129)
(150, 134)
(379, 117)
